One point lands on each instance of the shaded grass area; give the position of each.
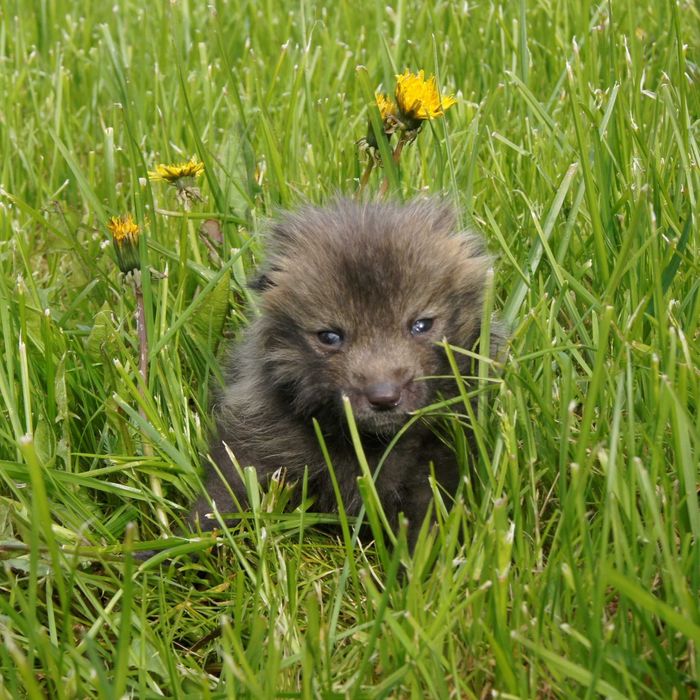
(570, 565)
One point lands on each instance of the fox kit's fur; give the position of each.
(353, 299)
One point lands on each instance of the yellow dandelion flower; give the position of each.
(173, 173)
(182, 178)
(418, 99)
(387, 106)
(125, 236)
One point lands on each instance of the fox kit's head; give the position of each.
(354, 298)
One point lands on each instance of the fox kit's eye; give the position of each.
(331, 338)
(422, 325)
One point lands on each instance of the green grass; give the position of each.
(570, 566)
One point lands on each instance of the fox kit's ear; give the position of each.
(260, 283)
(280, 238)
(443, 214)
(289, 228)
(444, 220)
(472, 246)
(263, 280)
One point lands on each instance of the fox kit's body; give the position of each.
(353, 300)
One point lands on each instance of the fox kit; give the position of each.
(354, 299)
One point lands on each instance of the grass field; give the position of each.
(569, 567)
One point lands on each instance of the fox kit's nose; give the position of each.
(383, 396)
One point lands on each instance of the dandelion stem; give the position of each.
(192, 235)
(396, 155)
(142, 333)
(365, 177)
(399, 148)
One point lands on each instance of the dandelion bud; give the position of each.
(125, 236)
(387, 111)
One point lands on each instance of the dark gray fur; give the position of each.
(369, 270)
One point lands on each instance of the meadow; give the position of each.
(569, 566)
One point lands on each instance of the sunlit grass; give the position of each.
(570, 565)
